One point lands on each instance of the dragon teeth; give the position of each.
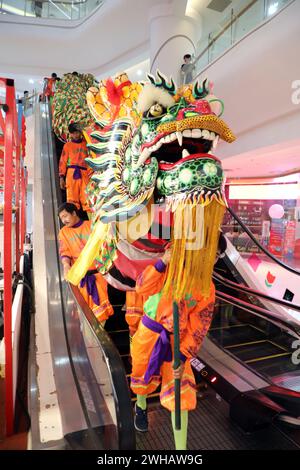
(196, 133)
(187, 133)
(143, 157)
(205, 134)
(179, 137)
(185, 153)
(215, 142)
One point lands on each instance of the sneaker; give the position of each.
(140, 419)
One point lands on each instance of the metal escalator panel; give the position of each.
(247, 357)
(255, 341)
(90, 381)
(101, 378)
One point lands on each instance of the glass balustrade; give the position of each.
(50, 9)
(238, 25)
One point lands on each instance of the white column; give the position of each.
(172, 35)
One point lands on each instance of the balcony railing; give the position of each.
(238, 25)
(50, 9)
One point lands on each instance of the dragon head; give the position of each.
(156, 141)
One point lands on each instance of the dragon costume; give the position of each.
(155, 179)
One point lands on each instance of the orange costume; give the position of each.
(72, 166)
(93, 286)
(152, 344)
(49, 87)
(134, 310)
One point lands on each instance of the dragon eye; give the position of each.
(156, 110)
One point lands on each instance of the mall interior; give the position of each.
(175, 104)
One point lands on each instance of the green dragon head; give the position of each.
(153, 140)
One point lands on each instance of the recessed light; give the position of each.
(31, 80)
(139, 72)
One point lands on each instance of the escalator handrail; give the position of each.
(261, 247)
(116, 371)
(248, 290)
(258, 311)
(119, 381)
(54, 194)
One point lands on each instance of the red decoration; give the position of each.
(114, 95)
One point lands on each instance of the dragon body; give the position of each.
(69, 103)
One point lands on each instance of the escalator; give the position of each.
(78, 392)
(251, 355)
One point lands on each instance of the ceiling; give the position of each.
(272, 161)
(102, 44)
(258, 116)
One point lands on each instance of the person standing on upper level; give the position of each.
(187, 69)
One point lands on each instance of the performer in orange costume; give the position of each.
(73, 171)
(49, 86)
(152, 345)
(72, 238)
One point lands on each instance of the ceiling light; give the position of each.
(272, 8)
(31, 80)
(139, 72)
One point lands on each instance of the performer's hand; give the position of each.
(167, 256)
(179, 371)
(62, 183)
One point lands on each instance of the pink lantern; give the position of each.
(276, 211)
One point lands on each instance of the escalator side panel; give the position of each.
(253, 411)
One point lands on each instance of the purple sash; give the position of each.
(162, 351)
(90, 281)
(77, 172)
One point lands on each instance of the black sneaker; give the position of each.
(140, 419)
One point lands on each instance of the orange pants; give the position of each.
(142, 345)
(134, 310)
(103, 311)
(76, 189)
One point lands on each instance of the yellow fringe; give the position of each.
(89, 253)
(192, 260)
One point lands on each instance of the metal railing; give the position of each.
(50, 9)
(238, 25)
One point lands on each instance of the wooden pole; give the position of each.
(176, 364)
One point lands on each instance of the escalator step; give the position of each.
(121, 340)
(209, 428)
